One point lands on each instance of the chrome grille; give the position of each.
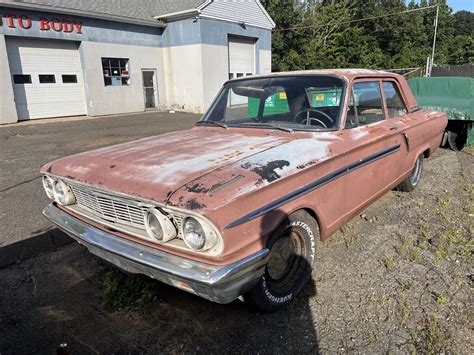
(115, 209)
(107, 208)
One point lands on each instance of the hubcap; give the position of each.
(286, 262)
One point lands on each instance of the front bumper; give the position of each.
(221, 284)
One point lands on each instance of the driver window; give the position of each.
(365, 106)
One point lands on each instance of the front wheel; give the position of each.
(292, 253)
(413, 179)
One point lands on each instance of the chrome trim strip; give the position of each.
(220, 284)
(313, 186)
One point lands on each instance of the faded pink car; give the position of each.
(235, 206)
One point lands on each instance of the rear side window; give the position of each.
(395, 105)
(365, 106)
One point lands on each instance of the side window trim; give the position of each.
(351, 94)
(398, 91)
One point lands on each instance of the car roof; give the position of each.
(349, 74)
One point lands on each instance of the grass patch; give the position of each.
(128, 292)
(388, 262)
(445, 199)
(431, 338)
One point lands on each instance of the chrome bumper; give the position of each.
(221, 284)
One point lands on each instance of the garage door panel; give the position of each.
(42, 100)
(241, 55)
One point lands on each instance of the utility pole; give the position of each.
(434, 40)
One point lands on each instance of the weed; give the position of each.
(425, 230)
(127, 292)
(388, 262)
(199, 330)
(407, 243)
(405, 312)
(445, 199)
(414, 255)
(431, 338)
(440, 299)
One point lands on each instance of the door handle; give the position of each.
(394, 127)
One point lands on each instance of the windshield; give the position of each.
(298, 102)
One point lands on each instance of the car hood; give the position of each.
(154, 168)
(231, 182)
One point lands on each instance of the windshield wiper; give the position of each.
(286, 129)
(216, 123)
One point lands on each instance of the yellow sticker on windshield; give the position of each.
(282, 95)
(320, 97)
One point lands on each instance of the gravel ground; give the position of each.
(396, 279)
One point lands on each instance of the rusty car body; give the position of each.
(306, 149)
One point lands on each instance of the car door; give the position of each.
(373, 145)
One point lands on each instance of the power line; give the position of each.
(358, 20)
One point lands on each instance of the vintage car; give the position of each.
(235, 206)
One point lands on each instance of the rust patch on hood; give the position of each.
(267, 172)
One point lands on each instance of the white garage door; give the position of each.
(241, 57)
(47, 78)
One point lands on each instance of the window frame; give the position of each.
(351, 93)
(127, 68)
(397, 87)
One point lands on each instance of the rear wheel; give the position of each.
(292, 252)
(413, 179)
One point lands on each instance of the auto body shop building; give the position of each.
(81, 57)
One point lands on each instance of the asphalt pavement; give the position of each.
(25, 147)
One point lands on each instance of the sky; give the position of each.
(458, 5)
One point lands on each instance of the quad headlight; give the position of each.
(48, 186)
(159, 227)
(58, 191)
(197, 235)
(63, 194)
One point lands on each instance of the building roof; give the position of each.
(140, 11)
(146, 12)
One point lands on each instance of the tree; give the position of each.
(331, 33)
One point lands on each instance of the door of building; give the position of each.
(47, 78)
(150, 89)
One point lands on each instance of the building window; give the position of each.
(69, 79)
(115, 71)
(47, 79)
(22, 79)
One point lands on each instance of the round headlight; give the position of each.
(63, 193)
(193, 234)
(159, 227)
(48, 186)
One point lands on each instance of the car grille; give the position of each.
(115, 209)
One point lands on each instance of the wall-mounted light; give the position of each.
(242, 24)
(195, 19)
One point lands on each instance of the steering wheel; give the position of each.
(309, 119)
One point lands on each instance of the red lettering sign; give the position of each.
(78, 26)
(24, 22)
(68, 27)
(56, 24)
(10, 18)
(45, 24)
